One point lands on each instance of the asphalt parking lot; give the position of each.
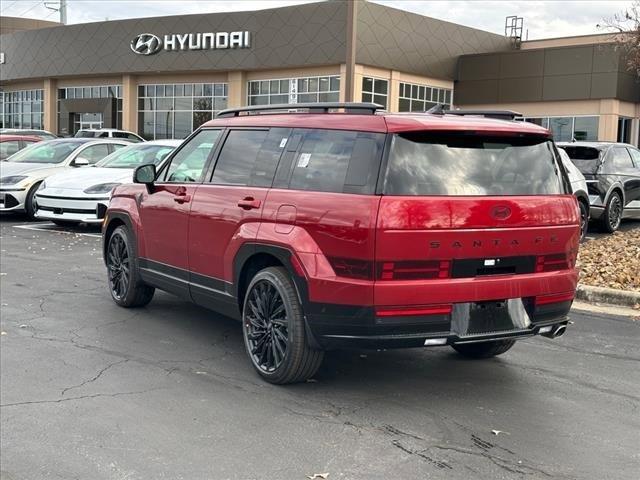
(91, 390)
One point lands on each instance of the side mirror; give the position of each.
(145, 174)
(80, 162)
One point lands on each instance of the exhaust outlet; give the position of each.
(553, 332)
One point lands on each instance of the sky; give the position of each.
(542, 19)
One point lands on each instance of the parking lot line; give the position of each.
(50, 227)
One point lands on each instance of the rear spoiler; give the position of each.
(497, 114)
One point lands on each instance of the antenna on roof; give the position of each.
(437, 109)
(513, 26)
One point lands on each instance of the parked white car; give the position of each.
(82, 196)
(579, 189)
(22, 173)
(109, 133)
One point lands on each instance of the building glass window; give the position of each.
(624, 129)
(566, 129)
(375, 90)
(22, 109)
(176, 110)
(293, 90)
(420, 98)
(101, 91)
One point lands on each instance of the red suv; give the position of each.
(342, 226)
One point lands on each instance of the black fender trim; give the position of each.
(124, 218)
(283, 255)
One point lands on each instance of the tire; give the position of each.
(274, 332)
(612, 215)
(30, 202)
(483, 349)
(584, 220)
(125, 285)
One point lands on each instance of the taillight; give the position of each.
(413, 270)
(414, 311)
(554, 298)
(557, 261)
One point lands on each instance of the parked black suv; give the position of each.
(612, 172)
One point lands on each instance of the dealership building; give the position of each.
(163, 77)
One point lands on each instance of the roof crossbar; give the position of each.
(321, 107)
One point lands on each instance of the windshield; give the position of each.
(135, 155)
(585, 158)
(45, 152)
(457, 164)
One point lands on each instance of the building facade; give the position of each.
(163, 77)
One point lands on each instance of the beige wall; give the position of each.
(568, 41)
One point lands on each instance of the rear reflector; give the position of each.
(413, 270)
(555, 298)
(413, 311)
(550, 263)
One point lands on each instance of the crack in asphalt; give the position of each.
(94, 378)
(82, 397)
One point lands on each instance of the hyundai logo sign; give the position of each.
(150, 44)
(146, 44)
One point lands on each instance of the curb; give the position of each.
(591, 294)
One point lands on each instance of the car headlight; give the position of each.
(12, 180)
(101, 188)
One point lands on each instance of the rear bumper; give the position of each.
(334, 326)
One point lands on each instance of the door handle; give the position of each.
(249, 203)
(182, 198)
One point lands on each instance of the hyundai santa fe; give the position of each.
(340, 226)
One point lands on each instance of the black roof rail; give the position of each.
(497, 114)
(320, 107)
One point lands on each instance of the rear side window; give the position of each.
(337, 161)
(457, 164)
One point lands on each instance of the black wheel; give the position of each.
(612, 215)
(274, 330)
(30, 205)
(483, 349)
(584, 219)
(126, 288)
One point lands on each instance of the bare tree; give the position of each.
(625, 26)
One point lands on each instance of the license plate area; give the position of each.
(480, 318)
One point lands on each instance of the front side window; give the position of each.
(189, 162)
(619, 159)
(458, 165)
(95, 153)
(635, 154)
(135, 155)
(45, 152)
(238, 156)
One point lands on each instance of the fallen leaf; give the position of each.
(318, 475)
(498, 432)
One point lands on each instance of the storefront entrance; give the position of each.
(87, 121)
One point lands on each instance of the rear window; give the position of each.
(460, 164)
(585, 158)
